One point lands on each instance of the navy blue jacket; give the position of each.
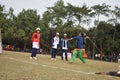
(62, 43)
(80, 41)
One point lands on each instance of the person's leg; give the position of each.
(33, 55)
(33, 52)
(55, 53)
(52, 55)
(112, 73)
(62, 54)
(74, 55)
(66, 57)
(80, 54)
(102, 73)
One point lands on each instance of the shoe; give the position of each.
(31, 58)
(35, 58)
(52, 58)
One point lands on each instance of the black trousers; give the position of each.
(54, 53)
(64, 51)
(34, 52)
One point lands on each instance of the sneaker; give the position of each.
(52, 58)
(35, 58)
(31, 58)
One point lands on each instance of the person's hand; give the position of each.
(69, 39)
(118, 72)
(87, 37)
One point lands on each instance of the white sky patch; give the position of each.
(41, 5)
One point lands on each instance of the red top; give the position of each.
(35, 37)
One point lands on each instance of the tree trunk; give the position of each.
(0, 42)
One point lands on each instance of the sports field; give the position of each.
(18, 66)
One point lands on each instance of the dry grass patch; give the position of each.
(18, 66)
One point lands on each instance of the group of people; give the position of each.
(59, 43)
(62, 44)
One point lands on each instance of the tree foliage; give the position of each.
(17, 29)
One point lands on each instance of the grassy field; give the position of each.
(18, 66)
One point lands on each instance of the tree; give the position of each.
(1, 23)
(100, 10)
(81, 14)
(117, 39)
(104, 36)
(70, 18)
(57, 13)
(115, 15)
(27, 21)
(9, 28)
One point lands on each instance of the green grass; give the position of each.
(18, 66)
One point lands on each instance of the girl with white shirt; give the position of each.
(55, 46)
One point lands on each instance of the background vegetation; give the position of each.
(17, 29)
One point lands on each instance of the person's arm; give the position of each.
(39, 38)
(67, 45)
(52, 42)
(69, 39)
(60, 43)
(87, 37)
(33, 36)
(72, 38)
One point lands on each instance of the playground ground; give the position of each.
(18, 66)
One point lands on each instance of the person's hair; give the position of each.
(82, 34)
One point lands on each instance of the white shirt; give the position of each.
(56, 42)
(35, 45)
(66, 46)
